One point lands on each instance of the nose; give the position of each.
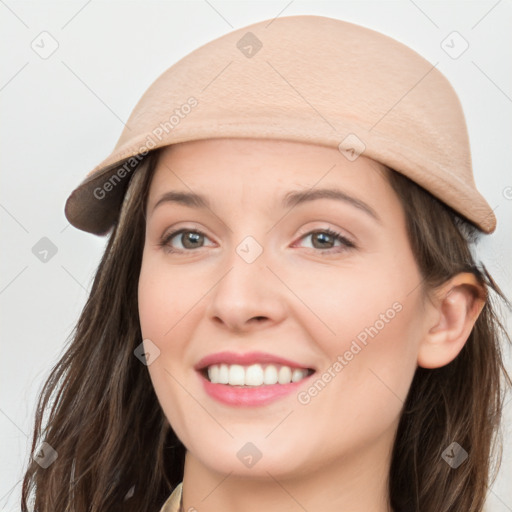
(247, 296)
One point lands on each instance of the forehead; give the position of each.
(266, 165)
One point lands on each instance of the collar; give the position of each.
(174, 501)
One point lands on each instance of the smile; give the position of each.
(255, 374)
(250, 379)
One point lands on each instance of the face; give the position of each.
(317, 291)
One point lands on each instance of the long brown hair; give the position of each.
(117, 451)
(461, 402)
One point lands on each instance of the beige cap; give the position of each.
(301, 78)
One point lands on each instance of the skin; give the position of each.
(332, 453)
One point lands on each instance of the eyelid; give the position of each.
(325, 227)
(174, 228)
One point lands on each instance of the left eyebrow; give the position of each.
(294, 198)
(291, 199)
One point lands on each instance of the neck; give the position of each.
(357, 483)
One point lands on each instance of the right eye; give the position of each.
(189, 239)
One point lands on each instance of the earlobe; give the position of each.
(457, 306)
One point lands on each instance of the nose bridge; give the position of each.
(247, 288)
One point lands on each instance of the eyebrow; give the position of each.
(291, 199)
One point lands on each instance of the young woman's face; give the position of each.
(256, 283)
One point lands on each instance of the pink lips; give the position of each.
(245, 359)
(247, 396)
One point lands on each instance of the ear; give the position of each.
(455, 309)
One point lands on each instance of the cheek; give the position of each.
(161, 300)
(169, 308)
(373, 303)
(358, 396)
(374, 320)
(160, 311)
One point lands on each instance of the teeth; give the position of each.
(270, 375)
(285, 375)
(297, 375)
(213, 373)
(254, 375)
(236, 375)
(223, 374)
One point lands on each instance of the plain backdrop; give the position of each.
(62, 114)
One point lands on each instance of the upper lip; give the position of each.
(245, 359)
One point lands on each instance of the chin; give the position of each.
(252, 459)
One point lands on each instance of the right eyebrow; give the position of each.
(190, 199)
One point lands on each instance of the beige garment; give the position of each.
(173, 501)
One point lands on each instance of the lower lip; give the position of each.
(249, 396)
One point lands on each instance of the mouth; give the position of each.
(254, 375)
(250, 379)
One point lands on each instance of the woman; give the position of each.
(288, 314)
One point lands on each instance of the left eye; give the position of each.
(328, 236)
(191, 239)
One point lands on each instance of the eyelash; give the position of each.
(164, 241)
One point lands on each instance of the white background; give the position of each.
(62, 115)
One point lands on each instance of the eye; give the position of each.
(193, 239)
(325, 238)
(190, 239)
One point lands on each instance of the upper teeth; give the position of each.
(254, 375)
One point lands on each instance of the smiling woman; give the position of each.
(283, 321)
